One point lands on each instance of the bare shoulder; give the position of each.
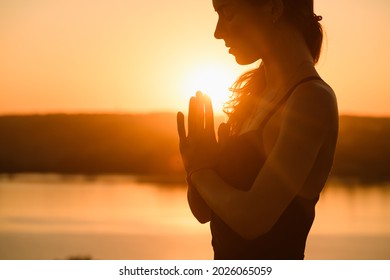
(314, 93)
(313, 101)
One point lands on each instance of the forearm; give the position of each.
(198, 206)
(236, 208)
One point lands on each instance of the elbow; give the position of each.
(202, 215)
(203, 219)
(198, 207)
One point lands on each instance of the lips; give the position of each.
(228, 47)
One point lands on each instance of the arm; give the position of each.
(307, 118)
(208, 143)
(198, 206)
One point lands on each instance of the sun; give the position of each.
(213, 80)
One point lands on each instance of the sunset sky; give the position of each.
(123, 56)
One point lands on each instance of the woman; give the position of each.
(259, 184)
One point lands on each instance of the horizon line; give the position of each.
(155, 112)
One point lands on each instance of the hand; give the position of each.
(223, 134)
(199, 149)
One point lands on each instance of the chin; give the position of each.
(244, 59)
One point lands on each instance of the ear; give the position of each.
(277, 10)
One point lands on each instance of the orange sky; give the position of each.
(143, 56)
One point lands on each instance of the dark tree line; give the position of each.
(147, 144)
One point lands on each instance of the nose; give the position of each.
(219, 30)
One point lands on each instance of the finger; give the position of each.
(199, 112)
(192, 117)
(180, 127)
(195, 117)
(209, 115)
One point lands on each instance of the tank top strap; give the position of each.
(284, 99)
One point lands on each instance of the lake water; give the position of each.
(122, 217)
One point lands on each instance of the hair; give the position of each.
(301, 14)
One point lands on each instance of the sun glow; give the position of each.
(213, 80)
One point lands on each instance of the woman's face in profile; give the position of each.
(243, 28)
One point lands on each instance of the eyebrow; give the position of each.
(221, 5)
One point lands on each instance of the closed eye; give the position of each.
(226, 11)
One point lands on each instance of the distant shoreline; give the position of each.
(148, 113)
(165, 179)
(147, 145)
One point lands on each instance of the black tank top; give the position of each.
(241, 160)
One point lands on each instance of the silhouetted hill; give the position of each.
(89, 144)
(363, 149)
(148, 144)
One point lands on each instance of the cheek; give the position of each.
(243, 32)
(247, 34)
(239, 35)
(244, 46)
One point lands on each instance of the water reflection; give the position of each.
(353, 209)
(107, 204)
(119, 217)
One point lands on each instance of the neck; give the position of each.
(289, 59)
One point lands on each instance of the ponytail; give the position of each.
(301, 14)
(313, 36)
